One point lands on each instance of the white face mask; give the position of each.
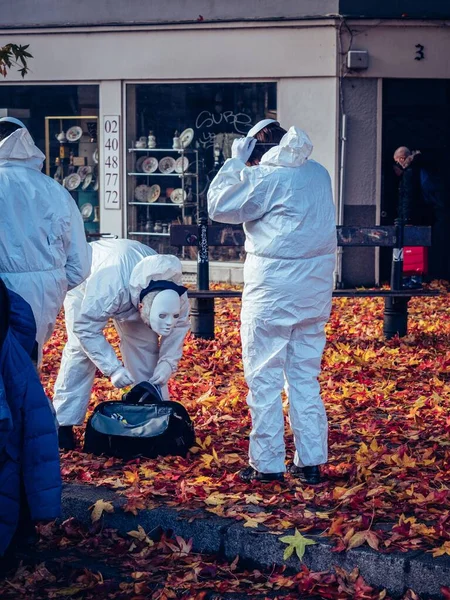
(165, 312)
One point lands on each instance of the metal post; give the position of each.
(396, 309)
(203, 255)
(397, 257)
(202, 309)
(338, 281)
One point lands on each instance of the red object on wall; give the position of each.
(415, 260)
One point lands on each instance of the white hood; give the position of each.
(294, 149)
(21, 147)
(154, 268)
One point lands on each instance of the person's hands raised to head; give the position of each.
(242, 148)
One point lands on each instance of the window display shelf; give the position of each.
(190, 127)
(71, 153)
(179, 150)
(148, 233)
(180, 175)
(154, 204)
(143, 215)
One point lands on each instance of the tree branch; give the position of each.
(14, 55)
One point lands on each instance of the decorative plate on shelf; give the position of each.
(71, 182)
(95, 187)
(153, 193)
(167, 165)
(139, 162)
(73, 134)
(149, 164)
(186, 137)
(178, 196)
(140, 193)
(181, 164)
(87, 181)
(86, 210)
(83, 171)
(95, 156)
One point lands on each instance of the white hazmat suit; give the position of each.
(121, 269)
(43, 248)
(286, 206)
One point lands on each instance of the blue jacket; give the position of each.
(28, 436)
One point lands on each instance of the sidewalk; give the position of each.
(260, 546)
(386, 481)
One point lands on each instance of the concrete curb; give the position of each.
(216, 535)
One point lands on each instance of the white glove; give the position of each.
(242, 148)
(121, 378)
(161, 374)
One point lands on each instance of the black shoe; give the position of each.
(249, 474)
(66, 438)
(310, 475)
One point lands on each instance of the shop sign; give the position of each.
(111, 161)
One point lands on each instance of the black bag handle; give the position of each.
(143, 393)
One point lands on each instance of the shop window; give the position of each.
(178, 136)
(62, 120)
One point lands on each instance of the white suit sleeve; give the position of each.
(237, 193)
(103, 299)
(78, 251)
(171, 347)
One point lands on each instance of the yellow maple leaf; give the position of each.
(99, 508)
(253, 499)
(131, 476)
(374, 445)
(207, 459)
(216, 458)
(296, 542)
(217, 510)
(253, 521)
(201, 480)
(360, 537)
(342, 493)
(147, 473)
(286, 524)
(141, 536)
(230, 459)
(215, 499)
(205, 443)
(444, 549)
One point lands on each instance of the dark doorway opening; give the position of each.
(416, 114)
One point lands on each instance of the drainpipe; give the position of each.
(338, 284)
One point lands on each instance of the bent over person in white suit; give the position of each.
(142, 292)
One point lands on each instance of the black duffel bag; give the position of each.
(141, 424)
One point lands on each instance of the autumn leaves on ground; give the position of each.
(387, 481)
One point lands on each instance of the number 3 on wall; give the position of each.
(420, 55)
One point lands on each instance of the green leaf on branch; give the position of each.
(14, 55)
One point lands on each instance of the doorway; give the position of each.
(416, 114)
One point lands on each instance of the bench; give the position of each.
(396, 299)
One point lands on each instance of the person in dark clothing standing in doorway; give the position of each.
(411, 206)
(420, 196)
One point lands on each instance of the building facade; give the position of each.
(114, 90)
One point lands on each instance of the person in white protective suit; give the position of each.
(142, 292)
(285, 202)
(43, 247)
